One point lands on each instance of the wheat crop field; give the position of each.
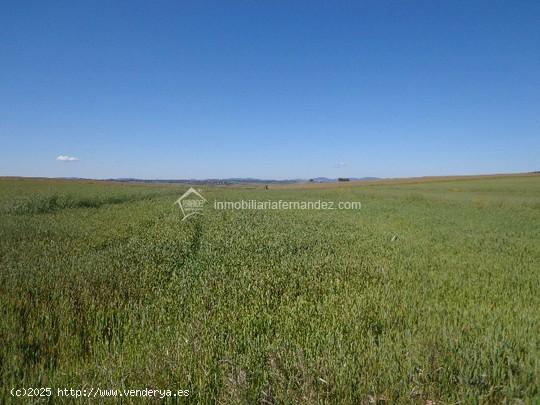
(428, 294)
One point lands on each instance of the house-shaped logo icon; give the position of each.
(191, 203)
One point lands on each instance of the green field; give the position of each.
(428, 294)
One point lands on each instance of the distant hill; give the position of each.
(237, 180)
(247, 180)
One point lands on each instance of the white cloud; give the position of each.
(339, 165)
(65, 158)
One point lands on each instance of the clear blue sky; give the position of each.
(269, 89)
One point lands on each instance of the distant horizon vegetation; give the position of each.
(251, 180)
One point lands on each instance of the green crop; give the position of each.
(430, 292)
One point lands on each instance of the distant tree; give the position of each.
(343, 179)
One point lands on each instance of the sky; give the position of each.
(268, 89)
